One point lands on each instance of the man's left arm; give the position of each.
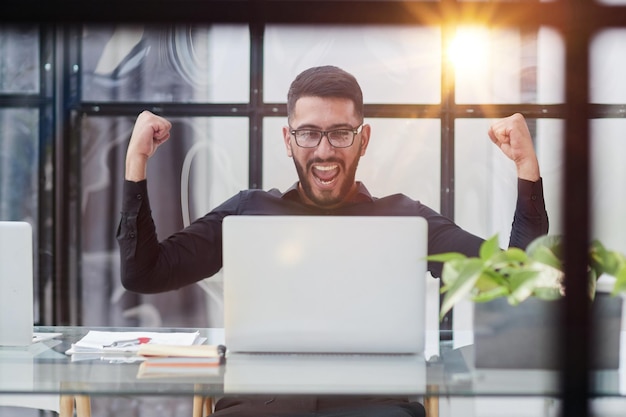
(531, 219)
(512, 136)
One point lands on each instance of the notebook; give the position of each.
(324, 284)
(16, 284)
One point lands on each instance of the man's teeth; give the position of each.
(326, 173)
(326, 168)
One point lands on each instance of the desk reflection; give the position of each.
(325, 374)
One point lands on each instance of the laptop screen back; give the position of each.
(16, 284)
(324, 284)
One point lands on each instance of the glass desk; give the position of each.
(45, 369)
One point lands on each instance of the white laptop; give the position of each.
(16, 283)
(324, 284)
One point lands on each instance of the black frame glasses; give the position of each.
(338, 138)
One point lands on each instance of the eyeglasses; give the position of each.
(338, 138)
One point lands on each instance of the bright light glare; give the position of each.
(290, 253)
(469, 50)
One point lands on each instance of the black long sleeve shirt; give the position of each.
(194, 253)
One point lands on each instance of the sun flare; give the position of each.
(469, 49)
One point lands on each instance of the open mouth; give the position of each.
(325, 175)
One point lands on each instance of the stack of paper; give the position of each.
(171, 361)
(172, 351)
(102, 342)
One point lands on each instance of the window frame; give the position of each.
(577, 21)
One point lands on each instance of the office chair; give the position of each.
(213, 287)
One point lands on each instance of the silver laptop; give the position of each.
(324, 284)
(16, 284)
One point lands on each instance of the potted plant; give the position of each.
(517, 293)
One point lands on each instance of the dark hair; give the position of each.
(325, 81)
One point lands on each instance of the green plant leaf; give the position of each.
(489, 248)
(490, 295)
(491, 279)
(451, 271)
(508, 258)
(548, 294)
(518, 274)
(553, 243)
(546, 256)
(620, 281)
(515, 255)
(461, 285)
(615, 262)
(522, 285)
(603, 261)
(600, 260)
(445, 257)
(593, 283)
(548, 276)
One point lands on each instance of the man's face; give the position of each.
(327, 174)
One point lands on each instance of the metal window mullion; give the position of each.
(66, 290)
(60, 298)
(173, 109)
(44, 246)
(448, 118)
(575, 332)
(255, 161)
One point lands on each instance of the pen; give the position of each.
(129, 342)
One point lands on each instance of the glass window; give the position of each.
(166, 63)
(19, 179)
(550, 66)
(278, 169)
(486, 180)
(607, 84)
(19, 59)
(400, 65)
(402, 157)
(608, 174)
(498, 66)
(608, 182)
(550, 147)
(204, 163)
(19, 164)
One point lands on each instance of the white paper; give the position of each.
(41, 337)
(99, 341)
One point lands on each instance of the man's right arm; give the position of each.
(150, 132)
(151, 266)
(147, 265)
(137, 254)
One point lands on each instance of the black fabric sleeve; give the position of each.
(152, 266)
(135, 201)
(531, 219)
(529, 222)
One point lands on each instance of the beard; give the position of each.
(327, 198)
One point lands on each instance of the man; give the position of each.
(325, 137)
